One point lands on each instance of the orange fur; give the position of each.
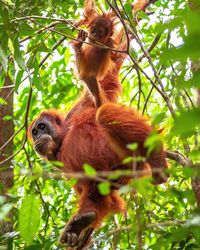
(92, 201)
(140, 4)
(124, 126)
(94, 62)
(101, 142)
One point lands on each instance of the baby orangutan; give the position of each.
(93, 61)
(94, 58)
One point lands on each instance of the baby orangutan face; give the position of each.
(101, 29)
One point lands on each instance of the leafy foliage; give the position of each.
(41, 201)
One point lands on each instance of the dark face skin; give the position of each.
(101, 29)
(46, 137)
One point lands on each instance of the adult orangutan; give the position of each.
(99, 138)
(100, 142)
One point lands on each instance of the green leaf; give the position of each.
(58, 164)
(127, 160)
(159, 118)
(142, 15)
(188, 172)
(195, 232)
(64, 29)
(37, 81)
(18, 79)
(187, 122)
(128, 8)
(37, 170)
(4, 15)
(184, 51)
(2, 101)
(152, 142)
(35, 247)
(194, 81)
(7, 118)
(67, 56)
(142, 185)
(191, 247)
(132, 146)
(104, 188)
(89, 170)
(133, 53)
(4, 210)
(29, 218)
(26, 30)
(9, 2)
(18, 54)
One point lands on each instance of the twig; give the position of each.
(127, 73)
(139, 87)
(7, 87)
(60, 41)
(4, 100)
(40, 31)
(145, 104)
(10, 139)
(42, 17)
(159, 225)
(122, 21)
(139, 227)
(152, 46)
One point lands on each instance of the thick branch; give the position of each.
(179, 158)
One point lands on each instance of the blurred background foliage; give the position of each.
(37, 73)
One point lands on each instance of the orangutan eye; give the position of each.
(41, 126)
(94, 31)
(34, 132)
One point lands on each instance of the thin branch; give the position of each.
(122, 21)
(59, 42)
(146, 102)
(159, 225)
(152, 46)
(4, 100)
(190, 99)
(7, 87)
(42, 18)
(10, 139)
(139, 87)
(138, 222)
(40, 31)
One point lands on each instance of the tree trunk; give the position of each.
(6, 131)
